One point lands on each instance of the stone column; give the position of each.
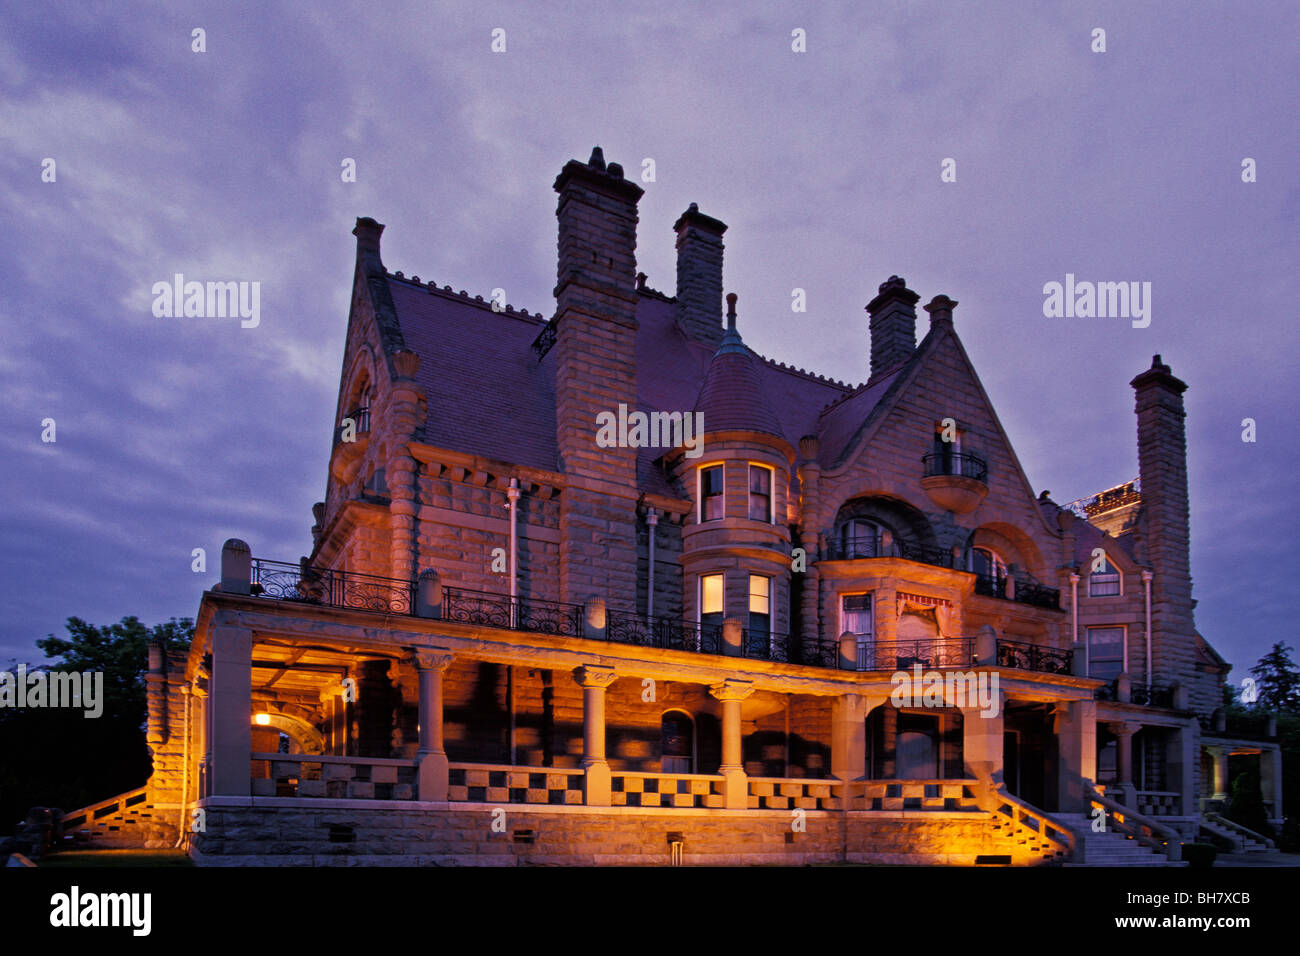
(594, 678)
(982, 742)
(401, 471)
(735, 784)
(849, 734)
(1270, 782)
(231, 704)
(1124, 747)
(1220, 755)
(199, 731)
(433, 770)
(1076, 740)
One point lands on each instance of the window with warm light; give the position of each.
(711, 599)
(760, 603)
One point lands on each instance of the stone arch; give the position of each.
(677, 741)
(359, 384)
(303, 737)
(907, 522)
(1014, 547)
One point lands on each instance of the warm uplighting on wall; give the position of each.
(262, 719)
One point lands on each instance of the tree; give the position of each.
(58, 757)
(1278, 681)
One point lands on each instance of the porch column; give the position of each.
(1220, 755)
(1075, 728)
(594, 678)
(231, 689)
(1270, 782)
(433, 771)
(1124, 746)
(199, 731)
(849, 733)
(982, 741)
(735, 784)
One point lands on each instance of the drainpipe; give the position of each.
(652, 520)
(1146, 582)
(512, 494)
(1074, 608)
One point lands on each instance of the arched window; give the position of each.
(677, 742)
(861, 538)
(990, 572)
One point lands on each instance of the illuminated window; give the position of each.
(711, 497)
(711, 599)
(760, 603)
(855, 618)
(760, 493)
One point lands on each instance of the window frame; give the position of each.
(771, 492)
(722, 492)
(1123, 659)
(1119, 579)
(699, 607)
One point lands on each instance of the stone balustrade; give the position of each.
(792, 793)
(506, 783)
(691, 790)
(341, 778)
(936, 794)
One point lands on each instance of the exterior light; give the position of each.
(262, 719)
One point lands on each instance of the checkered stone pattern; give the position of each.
(767, 793)
(914, 795)
(657, 790)
(307, 778)
(516, 785)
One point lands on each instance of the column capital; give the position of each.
(1147, 575)
(732, 689)
(1074, 577)
(594, 675)
(431, 658)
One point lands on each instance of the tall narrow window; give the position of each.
(855, 618)
(677, 742)
(711, 497)
(1105, 581)
(990, 573)
(711, 599)
(760, 604)
(1105, 651)
(760, 493)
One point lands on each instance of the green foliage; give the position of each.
(1247, 804)
(57, 757)
(1278, 680)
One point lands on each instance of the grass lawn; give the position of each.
(97, 858)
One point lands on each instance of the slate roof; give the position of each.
(489, 394)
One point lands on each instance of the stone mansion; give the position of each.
(514, 643)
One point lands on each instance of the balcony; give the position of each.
(931, 654)
(956, 482)
(874, 546)
(351, 438)
(1035, 657)
(1025, 591)
(1147, 695)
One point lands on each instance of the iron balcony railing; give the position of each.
(1034, 657)
(360, 423)
(930, 653)
(1148, 695)
(961, 464)
(484, 608)
(325, 586)
(1025, 592)
(872, 546)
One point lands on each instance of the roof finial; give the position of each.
(731, 311)
(597, 159)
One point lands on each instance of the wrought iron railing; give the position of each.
(627, 627)
(1035, 657)
(486, 609)
(962, 464)
(1148, 695)
(545, 339)
(990, 585)
(871, 546)
(1039, 595)
(360, 418)
(930, 653)
(330, 588)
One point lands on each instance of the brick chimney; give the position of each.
(595, 371)
(1162, 466)
(892, 324)
(699, 275)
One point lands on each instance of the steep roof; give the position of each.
(490, 394)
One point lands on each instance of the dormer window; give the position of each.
(760, 493)
(712, 500)
(1105, 581)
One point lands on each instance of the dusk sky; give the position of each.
(178, 433)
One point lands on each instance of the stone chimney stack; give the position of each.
(1162, 465)
(699, 275)
(892, 324)
(595, 371)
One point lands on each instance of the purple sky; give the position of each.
(179, 433)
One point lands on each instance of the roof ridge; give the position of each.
(446, 292)
(782, 367)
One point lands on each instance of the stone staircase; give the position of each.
(128, 820)
(1242, 839)
(1108, 848)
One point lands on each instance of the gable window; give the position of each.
(711, 497)
(711, 599)
(856, 619)
(760, 493)
(860, 538)
(1105, 652)
(1105, 581)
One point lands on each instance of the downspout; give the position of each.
(1074, 612)
(510, 694)
(651, 520)
(512, 494)
(1146, 582)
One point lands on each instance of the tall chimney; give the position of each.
(1162, 465)
(892, 324)
(699, 275)
(595, 371)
